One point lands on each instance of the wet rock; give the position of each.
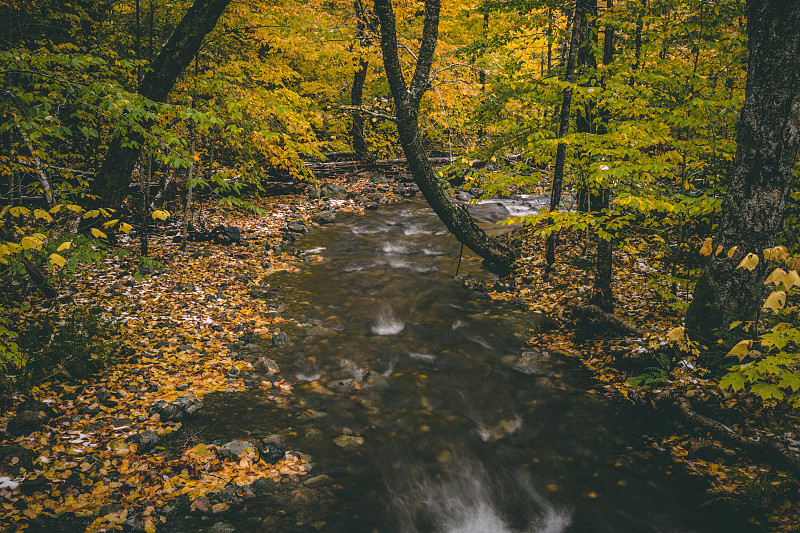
(27, 422)
(33, 484)
(348, 442)
(463, 196)
(146, 440)
(36, 405)
(185, 348)
(280, 338)
(342, 385)
(270, 451)
(297, 227)
(317, 482)
(376, 381)
(314, 193)
(221, 527)
(202, 504)
(265, 365)
(226, 235)
(24, 459)
(264, 485)
(229, 495)
(325, 217)
(235, 448)
(183, 407)
(533, 362)
(333, 191)
(320, 331)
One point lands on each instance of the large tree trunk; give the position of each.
(563, 126)
(407, 100)
(357, 91)
(110, 183)
(766, 154)
(602, 295)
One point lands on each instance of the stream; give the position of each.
(410, 394)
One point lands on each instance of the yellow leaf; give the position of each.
(775, 277)
(775, 301)
(160, 214)
(732, 251)
(749, 262)
(31, 243)
(706, 248)
(791, 279)
(149, 527)
(99, 234)
(19, 210)
(57, 260)
(734, 324)
(200, 450)
(741, 349)
(56, 209)
(719, 250)
(125, 227)
(44, 215)
(75, 208)
(91, 214)
(110, 223)
(777, 253)
(676, 334)
(66, 245)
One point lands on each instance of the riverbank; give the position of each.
(111, 452)
(114, 451)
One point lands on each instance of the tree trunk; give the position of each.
(602, 295)
(407, 100)
(766, 154)
(187, 209)
(563, 127)
(111, 181)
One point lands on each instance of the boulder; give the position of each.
(27, 422)
(348, 442)
(146, 440)
(325, 217)
(235, 449)
(181, 408)
(265, 365)
(280, 338)
(222, 527)
(270, 451)
(342, 385)
(320, 331)
(333, 191)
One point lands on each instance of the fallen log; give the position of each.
(591, 316)
(765, 449)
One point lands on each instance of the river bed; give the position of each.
(428, 412)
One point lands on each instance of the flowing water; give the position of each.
(457, 437)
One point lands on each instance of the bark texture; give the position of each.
(563, 125)
(110, 184)
(602, 295)
(357, 90)
(407, 98)
(767, 142)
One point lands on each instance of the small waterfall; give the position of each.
(468, 504)
(386, 323)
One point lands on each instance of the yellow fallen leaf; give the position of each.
(706, 248)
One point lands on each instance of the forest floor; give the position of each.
(79, 451)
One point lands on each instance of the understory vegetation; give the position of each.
(624, 113)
